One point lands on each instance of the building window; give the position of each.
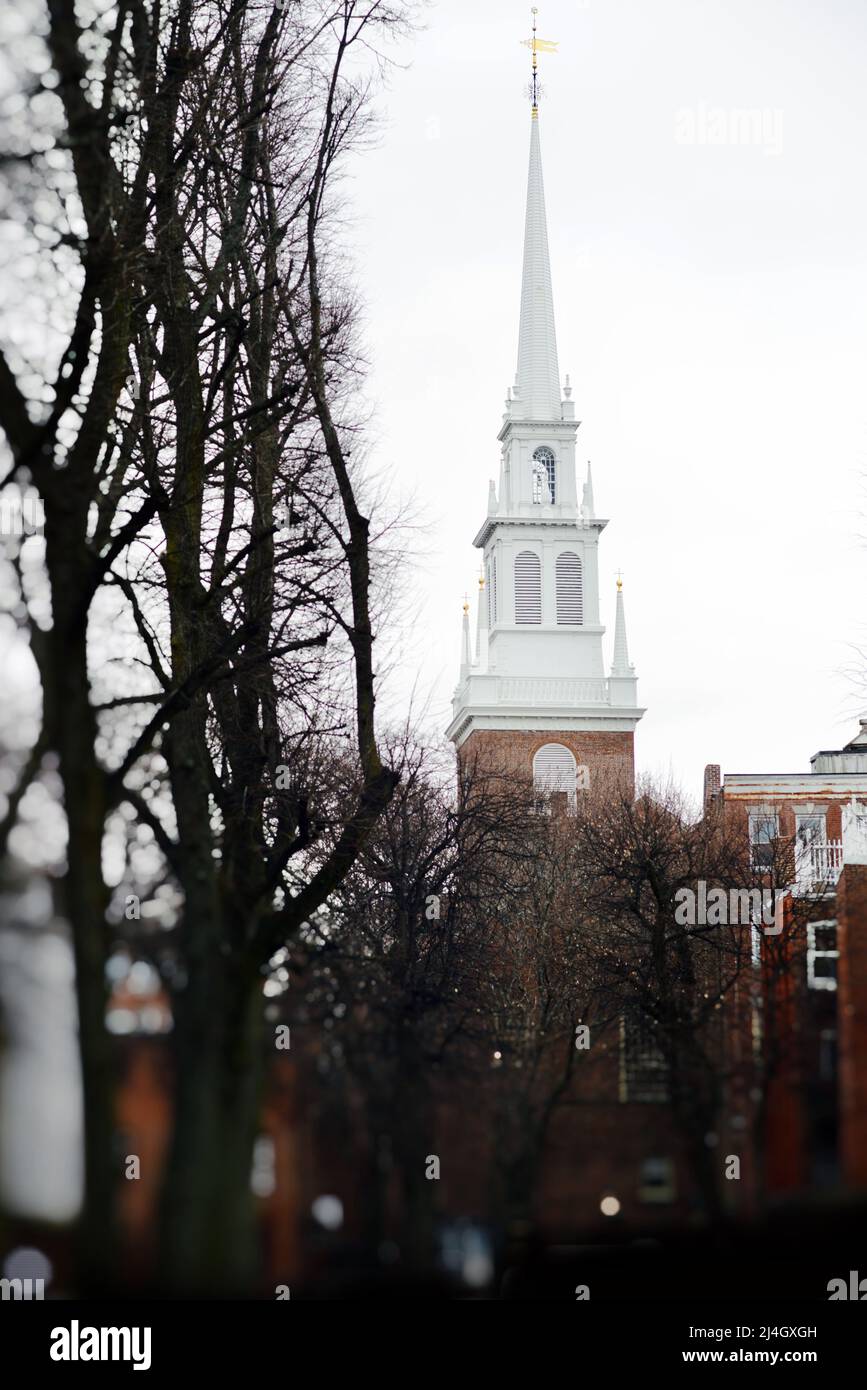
(570, 594)
(810, 830)
(822, 955)
(544, 476)
(657, 1180)
(554, 774)
(643, 1068)
(817, 862)
(528, 588)
(809, 836)
(764, 833)
(828, 1055)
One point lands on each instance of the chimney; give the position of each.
(711, 785)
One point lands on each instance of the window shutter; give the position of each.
(554, 770)
(570, 595)
(492, 591)
(528, 588)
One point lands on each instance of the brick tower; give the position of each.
(534, 698)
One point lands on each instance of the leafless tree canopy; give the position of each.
(180, 392)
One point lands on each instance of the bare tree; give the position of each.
(666, 975)
(396, 982)
(207, 552)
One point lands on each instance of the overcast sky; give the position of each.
(711, 302)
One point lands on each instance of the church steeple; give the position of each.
(537, 685)
(536, 393)
(537, 381)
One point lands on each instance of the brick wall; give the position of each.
(610, 757)
(852, 1022)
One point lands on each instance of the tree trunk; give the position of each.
(208, 1212)
(74, 734)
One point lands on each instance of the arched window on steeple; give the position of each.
(528, 587)
(570, 591)
(554, 775)
(544, 475)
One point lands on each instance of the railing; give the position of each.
(552, 690)
(818, 866)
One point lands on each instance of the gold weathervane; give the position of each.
(537, 45)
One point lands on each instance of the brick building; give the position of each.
(798, 1015)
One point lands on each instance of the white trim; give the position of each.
(815, 981)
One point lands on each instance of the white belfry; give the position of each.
(538, 663)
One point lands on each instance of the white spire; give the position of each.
(588, 507)
(620, 665)
(466, 650)
(537, 381)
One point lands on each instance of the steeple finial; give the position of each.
(537, 45)
(620, 665)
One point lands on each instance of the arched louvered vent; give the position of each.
(528, 588)
(554, 771)
(492, 591)
(570, 594)
(544, 475)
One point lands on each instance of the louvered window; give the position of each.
(570, 595)
(553, 772)
(492, 591)
(544, 475)
(528, 588)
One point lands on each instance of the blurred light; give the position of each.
(120, 1021)
(466, 1253)
(153, 1019)
(328, 1211)
(143, 979)
(117, 967)
(263, 1179)
(609, 1206)
(27, 1263)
